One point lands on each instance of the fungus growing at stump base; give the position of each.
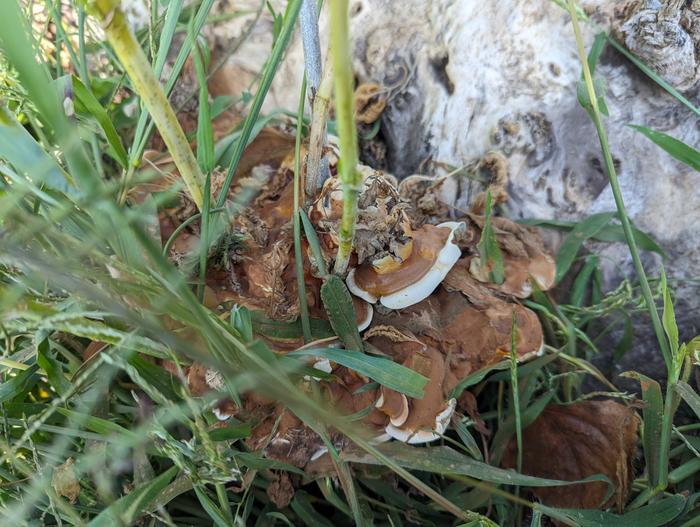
(419, 298)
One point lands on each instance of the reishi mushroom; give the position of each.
(453, 319)
(363, 313)
(399, 282)
(524, 259)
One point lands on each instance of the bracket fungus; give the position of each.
(525, 259)
(399, 282)
(435, 313)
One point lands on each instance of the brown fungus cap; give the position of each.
(414, 420)
(468, 336)
(401, 281)
(427, 417)
(524, 259)
(363, 313)
(394, 405)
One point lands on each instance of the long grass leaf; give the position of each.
(341, 312)
(18, 147)
(92, 105)
(574, 240)
(380, 369)
(689, 396)
(18, 48)
(127, 509)
(609, 233)
(653, 75)
(677, 149)
(652, 415)
(658, 514)
(444, 460)
(278, 49)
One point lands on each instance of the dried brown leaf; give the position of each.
(369, 103)
(280, 490)
(65, 482)
(574, 441)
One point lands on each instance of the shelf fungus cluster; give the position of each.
(421, 293)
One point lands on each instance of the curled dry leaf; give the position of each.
(280, 490)
(65, 482)
(382, 222)
(572, 442)
(369, 103)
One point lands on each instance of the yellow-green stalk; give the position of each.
(317, 134)
(671, 362)
(149, 89)
(347, 133)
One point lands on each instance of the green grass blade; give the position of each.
(689, 396)
(128, 508)
(19, 148)
(444, 460)
(298, 256)
(341, 312)
(380, 369)
(578, 291)
(477, 377)
(20, 384)
(515, 393)
(669, 319)
(658, 514)
(301, 505)
(653, 75)
(205, 131)
(92, 105)
(278, 49)
(574, 240)
(609, 233)
(468, 440)
(314, 243)
(489, 251)
(652, 415)
(210, 508)
(677, 149)
(18, 48)
(99, 425)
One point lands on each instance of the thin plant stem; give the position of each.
(347, 133)
(317, 134)
(617, 193)
(149, 89)
(204, 240)
(665, 440)
(85, 78)
(516, 404)
(298, 256)
(308, 17)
